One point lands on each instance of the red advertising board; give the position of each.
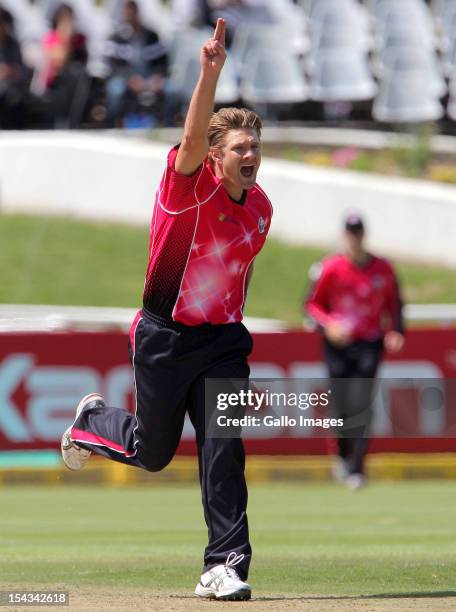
(43, 376)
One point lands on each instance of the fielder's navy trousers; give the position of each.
(352, 370)
(171, 362)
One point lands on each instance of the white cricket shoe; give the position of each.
(355, 481)
(74, 456)
(222, 582)
(339, 469)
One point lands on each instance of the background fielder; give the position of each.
(356, 302)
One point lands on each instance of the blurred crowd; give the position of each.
(134, 63)
(56, 81)
(55, 88)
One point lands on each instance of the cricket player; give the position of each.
(209, 222)
(355, 300)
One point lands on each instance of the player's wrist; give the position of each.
(210, 74)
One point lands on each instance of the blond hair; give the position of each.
(227, 119)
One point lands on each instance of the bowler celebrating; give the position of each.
(209, 222)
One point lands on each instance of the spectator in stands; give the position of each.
(65, 58)
(13, 75)
(138, 63)
(356, 303)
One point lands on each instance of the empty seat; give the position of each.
(335, 40)
(407, 98)
(273, 76)
(335, 37)
(402, 59)
(401, 22)
(311, 6)
(405, 36)
(290, 20)
(448, 25)
(343, 14)
(248, 39)
(384, 10)
(342, 76)
(29, 22)
(437, 6)
(318, 8)
(449, 58)
(404, 20)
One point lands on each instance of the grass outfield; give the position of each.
(49, 260)
(315, 542)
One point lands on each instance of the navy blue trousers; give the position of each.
(171, 363)
(352, 370)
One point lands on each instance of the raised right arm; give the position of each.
(194, 147)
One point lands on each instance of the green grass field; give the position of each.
(49, 260)
(389, 540)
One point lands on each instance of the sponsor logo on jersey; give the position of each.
(378, 282)
(261, 225)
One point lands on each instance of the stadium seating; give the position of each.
(405, 97)
(29, 20)
(250, 38)
(272, 76)
(292, 20)
(401, 59)
(449, 59)
(153, 13)
(321, 50)
(341, 75)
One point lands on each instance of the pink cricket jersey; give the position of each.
(202, 244)
(365, 299)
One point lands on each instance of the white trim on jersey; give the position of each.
(153, 235)
(198, 203)
(267, 199)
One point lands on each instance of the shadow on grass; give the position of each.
(409, 595)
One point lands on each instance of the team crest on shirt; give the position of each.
(261, 225)
(378, 282)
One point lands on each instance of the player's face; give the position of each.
(130, 14)
(241, 158)
(354, 241)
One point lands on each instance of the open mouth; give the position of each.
(247, 171)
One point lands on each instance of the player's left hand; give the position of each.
(394, 341)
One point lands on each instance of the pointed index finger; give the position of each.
(220, 29)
